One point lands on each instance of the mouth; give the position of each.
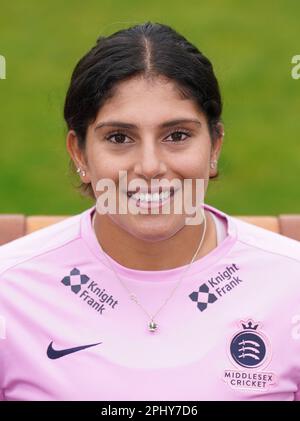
(155, 197)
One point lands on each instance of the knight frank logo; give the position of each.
(75, 280)
(89, 291)
(249, 349)
(203, 297)
(216, 287)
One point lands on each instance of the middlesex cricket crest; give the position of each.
(249, 351)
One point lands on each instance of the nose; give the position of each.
(149, 162)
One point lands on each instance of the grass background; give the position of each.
(250, 44)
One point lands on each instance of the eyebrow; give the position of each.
(124, 125)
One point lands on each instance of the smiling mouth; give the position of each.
(157, 197)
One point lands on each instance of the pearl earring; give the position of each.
(82, 171)
(213, 164)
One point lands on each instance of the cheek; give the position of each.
(192, 165)
(102, 166)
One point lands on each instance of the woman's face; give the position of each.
(147, 150)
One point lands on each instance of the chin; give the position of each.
(154, 232)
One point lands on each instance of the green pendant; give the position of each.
(152, 326)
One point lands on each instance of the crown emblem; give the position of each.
(250, 325)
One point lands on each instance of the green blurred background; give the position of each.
(250, 45)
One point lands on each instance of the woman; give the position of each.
(144, 305)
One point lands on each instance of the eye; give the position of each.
(119, 137)
(177, 135)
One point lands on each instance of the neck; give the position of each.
(137, 254)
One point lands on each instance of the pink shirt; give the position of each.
(231, 331)
(220, 225)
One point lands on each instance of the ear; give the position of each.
(216, 151)
(77, 155)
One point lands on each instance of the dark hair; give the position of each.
(151, 50)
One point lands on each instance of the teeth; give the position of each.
(146, 197)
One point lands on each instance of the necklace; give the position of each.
(152, 325)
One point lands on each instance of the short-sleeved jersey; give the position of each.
(70, 331)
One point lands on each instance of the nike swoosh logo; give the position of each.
(53, 354)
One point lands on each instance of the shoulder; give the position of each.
(39, 243)
(263, 240)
